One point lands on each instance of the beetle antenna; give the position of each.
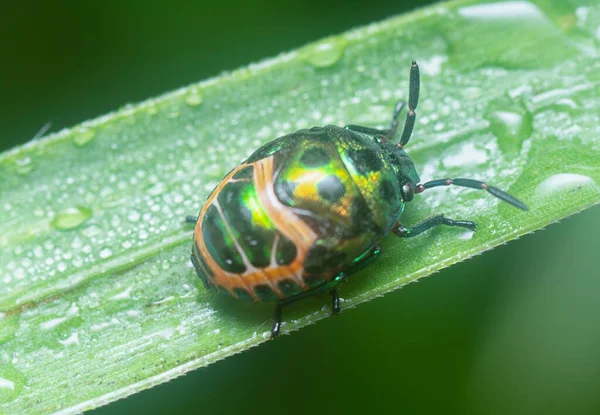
(472, 184)
(413, 101)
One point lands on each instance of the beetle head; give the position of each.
(406, 172)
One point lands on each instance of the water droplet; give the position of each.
(71, 218)
(133, 215)
(173, 113)
(564, 182)
(105, 253)
(466, 235)
(123, 295)
(324, 53)
(510, 128)
(193, 97)
(83, 136)
(502, 10)
(433, 65)
(560, 99)
(162, 327)
(23, 165)
(72, 339)
(466, 155)
(156, 189)
(509, 35)
(11, 383)
(471, 92)
(71, 312)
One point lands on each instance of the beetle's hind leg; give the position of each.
(332, 286)
(429, 223)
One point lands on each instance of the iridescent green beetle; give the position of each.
(308, 209)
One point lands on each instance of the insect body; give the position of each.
(309, 208)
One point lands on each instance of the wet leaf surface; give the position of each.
(97, 296)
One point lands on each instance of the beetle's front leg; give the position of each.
(429, 223)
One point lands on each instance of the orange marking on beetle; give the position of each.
(284, 218)
(286, 222)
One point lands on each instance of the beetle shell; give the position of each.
(296, 213)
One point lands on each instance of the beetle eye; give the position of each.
(408, 192)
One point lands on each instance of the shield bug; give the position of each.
(308, 209)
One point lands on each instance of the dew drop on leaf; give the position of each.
(511, 128)
(105, 253)
(156, 189)
(193, 97)
(563, 182)
(23, 165)
(82, 136)
(325, 53)
(71, 218)
(11, 383)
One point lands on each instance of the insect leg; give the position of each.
(429, 223)
(413, 101)
(381, 134)
(336, 308)
(276, 320)
(361, 263)
(332, 286)
(473, 184)
(191, 219)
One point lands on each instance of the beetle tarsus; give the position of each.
(276, 321)
(429, 223)
(191, 219)
(336, 307)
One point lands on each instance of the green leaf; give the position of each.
(98, 299)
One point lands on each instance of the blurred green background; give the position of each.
(516, 330)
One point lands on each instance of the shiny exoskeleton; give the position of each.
(309, 208)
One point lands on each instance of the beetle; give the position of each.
(308, 209)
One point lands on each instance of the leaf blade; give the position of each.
(118, 299)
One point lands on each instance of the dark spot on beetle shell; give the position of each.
(289, 288)
(387, 191)
(284, 190)
(331, 189)
(219, 244)
(258, 254)
(242, 294)
(361, 215)
(286, 251)
(365, 160)
(265, 293)
(315, 157)
(321, 259)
